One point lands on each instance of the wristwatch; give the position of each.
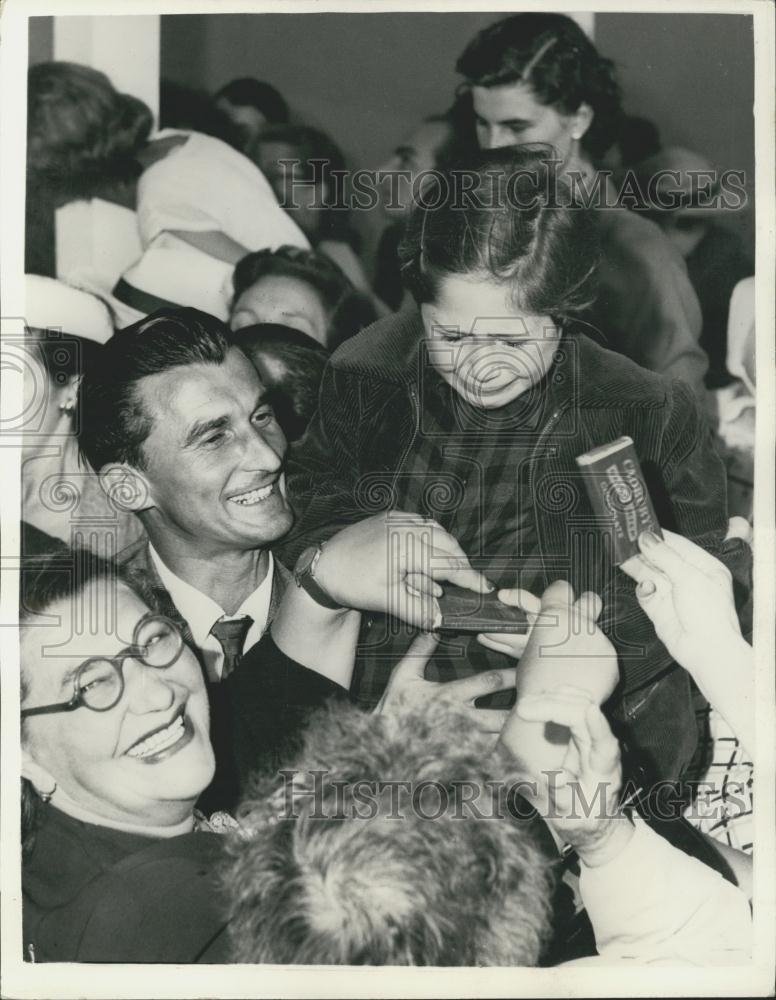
(304, 577)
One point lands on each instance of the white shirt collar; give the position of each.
(202, 612)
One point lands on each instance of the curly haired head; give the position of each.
(370, 857)
(551, 54)
(82, 134)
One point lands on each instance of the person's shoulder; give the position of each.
(604, 374)
(385, 350)
(160, 904)
(630, 236)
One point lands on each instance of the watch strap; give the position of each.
(305, 579)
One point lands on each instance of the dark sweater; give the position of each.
(93, 894)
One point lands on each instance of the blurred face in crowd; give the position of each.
(214, 457)
(303, 200)
(144, 761)
(486, 349)
(415, 154)
(510, 115)
(285, 300)
(248, 121)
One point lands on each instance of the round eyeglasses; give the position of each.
(98, 682)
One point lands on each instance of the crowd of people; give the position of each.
(261, 463)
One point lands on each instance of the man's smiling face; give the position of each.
(214, 456)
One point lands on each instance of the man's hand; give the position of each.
(408, 687)
(391, 562)
(579, 799)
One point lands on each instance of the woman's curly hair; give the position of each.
(555, 58)
(82, 134)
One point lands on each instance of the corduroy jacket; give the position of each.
(349, 463)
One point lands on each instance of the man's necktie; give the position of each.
(231, 635)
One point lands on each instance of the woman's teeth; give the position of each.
(253, 496)
(161, 740)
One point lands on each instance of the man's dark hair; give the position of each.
(294, 395)
(348, 311)
(111, 419)
(552, 55)
(325, 878)
(248, 92)
(516, 226)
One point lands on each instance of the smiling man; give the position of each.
(177, 424)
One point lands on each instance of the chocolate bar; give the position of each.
(466, 611)
(618, 493)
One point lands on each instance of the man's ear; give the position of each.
(126, 487)
(582, 119)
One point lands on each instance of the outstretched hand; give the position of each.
(408, 688)
(391, 563)
(687, 594)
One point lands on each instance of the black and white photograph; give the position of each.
(387, 427)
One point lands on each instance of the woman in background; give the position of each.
(537, 78)
(192, 192)
(61, 495)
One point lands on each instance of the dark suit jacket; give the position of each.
(224, 790)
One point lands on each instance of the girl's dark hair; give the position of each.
(348, 310)
(82, 134)
(509, 218)
(551, 54)
(294, 396)
(50, 571)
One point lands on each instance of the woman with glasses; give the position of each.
(118, 865)
(115, 752)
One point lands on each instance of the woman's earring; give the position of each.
(67, 407)
(46, 796)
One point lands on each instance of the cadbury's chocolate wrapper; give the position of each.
(618, 493)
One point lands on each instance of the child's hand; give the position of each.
(511, 644)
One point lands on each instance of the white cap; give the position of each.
(53, 305)
(172, 273)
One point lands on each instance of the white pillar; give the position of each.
(97, 241)
(586, 21)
